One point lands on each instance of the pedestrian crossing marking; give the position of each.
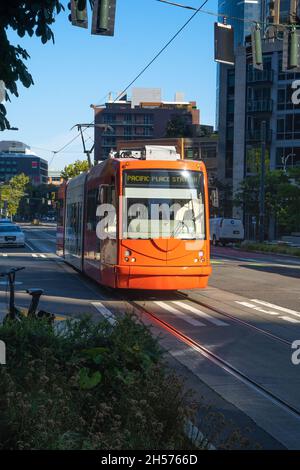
(200, 313)
(180, 314)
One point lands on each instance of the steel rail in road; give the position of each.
(184, 296)
(219, 361)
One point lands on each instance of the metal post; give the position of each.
(262, 183)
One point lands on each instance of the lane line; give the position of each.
(182, 315)
(277, 307)
(198, 312)
(107, 314)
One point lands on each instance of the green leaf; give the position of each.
(86, 381)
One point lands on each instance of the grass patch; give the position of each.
(268, 248)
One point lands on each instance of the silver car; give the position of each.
(11, 235)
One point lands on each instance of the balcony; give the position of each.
(255, 136)
(260, 106)
(260, 76)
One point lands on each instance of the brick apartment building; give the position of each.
(144, 117)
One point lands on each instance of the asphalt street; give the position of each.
(240, 329)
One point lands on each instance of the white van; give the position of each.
(226, 230)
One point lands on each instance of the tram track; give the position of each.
(218, 360)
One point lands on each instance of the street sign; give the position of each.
(224, 45)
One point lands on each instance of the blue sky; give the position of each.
(81, 69)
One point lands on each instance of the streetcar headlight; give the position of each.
(126, 259)
(133, 260)
(196, 260)
(201, 254)
(127, 253)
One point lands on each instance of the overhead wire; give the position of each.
(197, 10)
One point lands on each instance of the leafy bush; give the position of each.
(89, 386)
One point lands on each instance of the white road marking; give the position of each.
(271, 312)
(4, 254)
(291, 320)
(43, 256)
(108, 315)
(174, 310)
(255, 307)
(34, 255)
(277, 307)
(198, 312)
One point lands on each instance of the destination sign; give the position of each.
(162, 178)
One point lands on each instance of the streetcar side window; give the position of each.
(91, 221)
(107, 196)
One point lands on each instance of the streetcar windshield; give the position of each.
(163, 204)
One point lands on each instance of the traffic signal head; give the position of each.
(257, 57)
(78, 16)
(103, 20)
(291, 50)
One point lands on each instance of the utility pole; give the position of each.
(262, 183)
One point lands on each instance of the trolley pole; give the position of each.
(262, 183)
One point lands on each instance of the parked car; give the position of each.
(226, 230)
(11, 235)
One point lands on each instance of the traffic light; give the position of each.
(256, 48)
(293, 55)
(290, 54)
(224, 44)
(103, 20)
(78, 16)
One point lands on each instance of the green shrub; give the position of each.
(90, 386)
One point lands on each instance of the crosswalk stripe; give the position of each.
(256, 307)
(174, 310)
(198, 312)
(108, 315)
(290, 319)
(276, 307)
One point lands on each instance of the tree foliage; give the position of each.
(74, 169)
(38, 201)
(25, 17)
(12, 192)
(178, 127)
(282, 197)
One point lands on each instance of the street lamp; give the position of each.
(285, 159)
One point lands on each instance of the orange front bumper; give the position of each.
(162, 277)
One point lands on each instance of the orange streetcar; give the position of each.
(139, 220)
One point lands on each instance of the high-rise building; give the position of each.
(17, 157)
(264, 96)
(239, 14)
(145, 116)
